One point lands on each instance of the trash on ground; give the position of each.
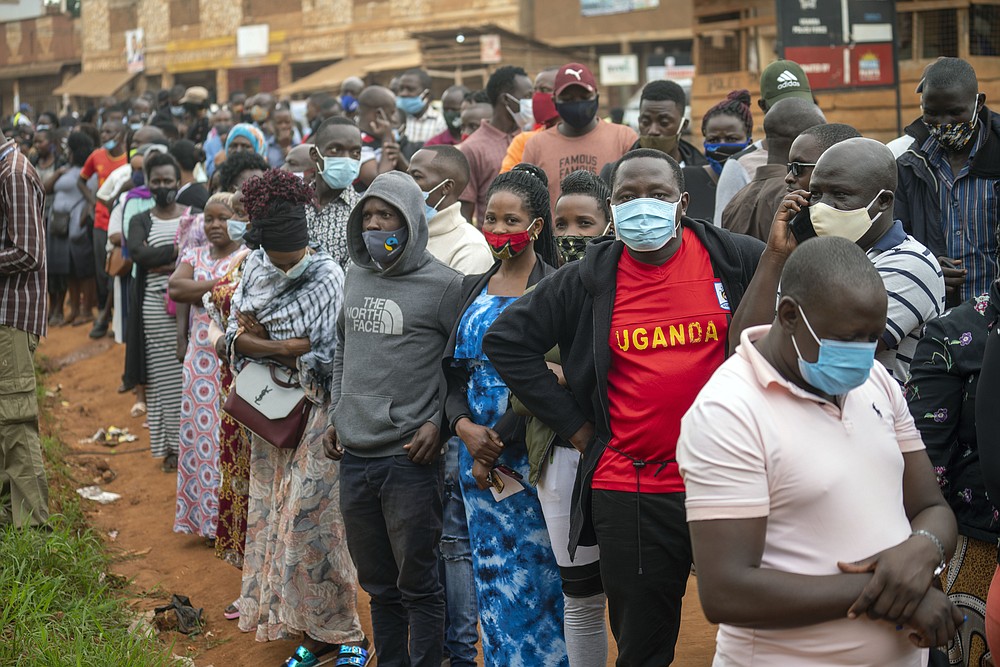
(98, 494)
(179, 615)
(142, 625)
(112, 535)
(110, 437)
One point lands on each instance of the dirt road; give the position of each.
(161, 562)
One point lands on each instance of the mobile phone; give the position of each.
(510, 472)
(801, 226)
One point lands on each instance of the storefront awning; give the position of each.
(95, 84)
(330, 77)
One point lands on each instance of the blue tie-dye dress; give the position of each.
(517, 579)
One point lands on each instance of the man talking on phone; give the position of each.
(851, 196)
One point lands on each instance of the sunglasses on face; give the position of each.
(799, 168)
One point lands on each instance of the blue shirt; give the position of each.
(969, 214)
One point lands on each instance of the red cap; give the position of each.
(574, 74)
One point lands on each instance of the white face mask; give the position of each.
(850, 225)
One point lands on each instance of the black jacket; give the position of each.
(918, 203)
(987, 415)
(456, 401)
(572, 309)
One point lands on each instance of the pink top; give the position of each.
(829, 481)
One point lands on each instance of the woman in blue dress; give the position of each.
(517, 579)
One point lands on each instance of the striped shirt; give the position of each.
(970, 210)
(915, 285)
(23, 299)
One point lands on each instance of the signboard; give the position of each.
(619, 70)
(489, 49)
(603, 7)
(252, 40)
(135, 51)
(839, 43)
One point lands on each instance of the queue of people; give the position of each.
(518, 376)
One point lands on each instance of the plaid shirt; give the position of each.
(23, 299)
(328, 226)
(419, 130)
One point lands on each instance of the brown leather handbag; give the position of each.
(270, 403)
(117, 265)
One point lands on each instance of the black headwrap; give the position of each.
(284, 230)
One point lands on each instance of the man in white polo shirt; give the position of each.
(816, 520)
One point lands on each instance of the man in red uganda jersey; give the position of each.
(641, 322)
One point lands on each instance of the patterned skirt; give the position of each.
(234, 480)
(967, 582)
(298, 576)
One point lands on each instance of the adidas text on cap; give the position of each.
(782, 79)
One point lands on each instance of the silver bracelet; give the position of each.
(940, 547)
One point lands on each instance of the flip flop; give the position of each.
(231, 613)
(138, 409)
(303, 657)
(354, 656)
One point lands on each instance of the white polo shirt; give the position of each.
(829, 481)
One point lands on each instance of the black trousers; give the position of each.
(644, 584)
(392, 516)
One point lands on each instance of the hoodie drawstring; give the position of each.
(638, 465)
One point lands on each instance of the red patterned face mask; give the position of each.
(505, 246)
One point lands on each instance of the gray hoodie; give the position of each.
(393, 328)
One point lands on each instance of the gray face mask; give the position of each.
(386, 247)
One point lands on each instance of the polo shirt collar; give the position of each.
(891, 238)
(766, 374)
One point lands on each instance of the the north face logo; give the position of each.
(381, 316)
(786, 79)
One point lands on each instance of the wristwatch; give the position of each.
(940, 547)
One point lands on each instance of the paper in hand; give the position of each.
(511, 486)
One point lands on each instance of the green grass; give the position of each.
(59, 606)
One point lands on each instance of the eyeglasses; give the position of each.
(797, 168)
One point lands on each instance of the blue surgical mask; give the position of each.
(385, 247)
(717, 154)
(135, 126)
(349, 103)
(300, 267)
(841, 366)
(411, 105)
(645, 224)
(431, 211)
(524, 117)
(236, 229)
(340, 172)
(110, 145)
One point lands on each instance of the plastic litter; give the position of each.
(96, 493)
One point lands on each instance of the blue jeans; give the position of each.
(461, 633)
(392, 516)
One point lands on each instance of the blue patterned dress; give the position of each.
(517, 580)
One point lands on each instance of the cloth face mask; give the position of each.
(385, 247)
(505, 246)
(851, 225)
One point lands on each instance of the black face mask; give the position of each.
(577, 115)
(164, 197)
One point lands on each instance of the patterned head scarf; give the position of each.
(252, 133)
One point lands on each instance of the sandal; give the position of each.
(355, 656)
(232, 612)
(303, 657)
(138, 409)
(169, 463)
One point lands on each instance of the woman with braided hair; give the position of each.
(728, 129)
(510, 546)
(298, 578)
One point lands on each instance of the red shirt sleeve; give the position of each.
(89, 167)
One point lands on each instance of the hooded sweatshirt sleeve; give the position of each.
(517, 342)
(449, 310)
(338, 369)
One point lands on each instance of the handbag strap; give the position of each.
(292, 382)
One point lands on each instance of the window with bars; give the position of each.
(718, 49)
(938, 33)
(984, 30)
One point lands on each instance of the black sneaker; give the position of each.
(100, 329)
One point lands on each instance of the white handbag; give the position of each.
(269, 401)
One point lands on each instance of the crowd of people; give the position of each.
(514, 369)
